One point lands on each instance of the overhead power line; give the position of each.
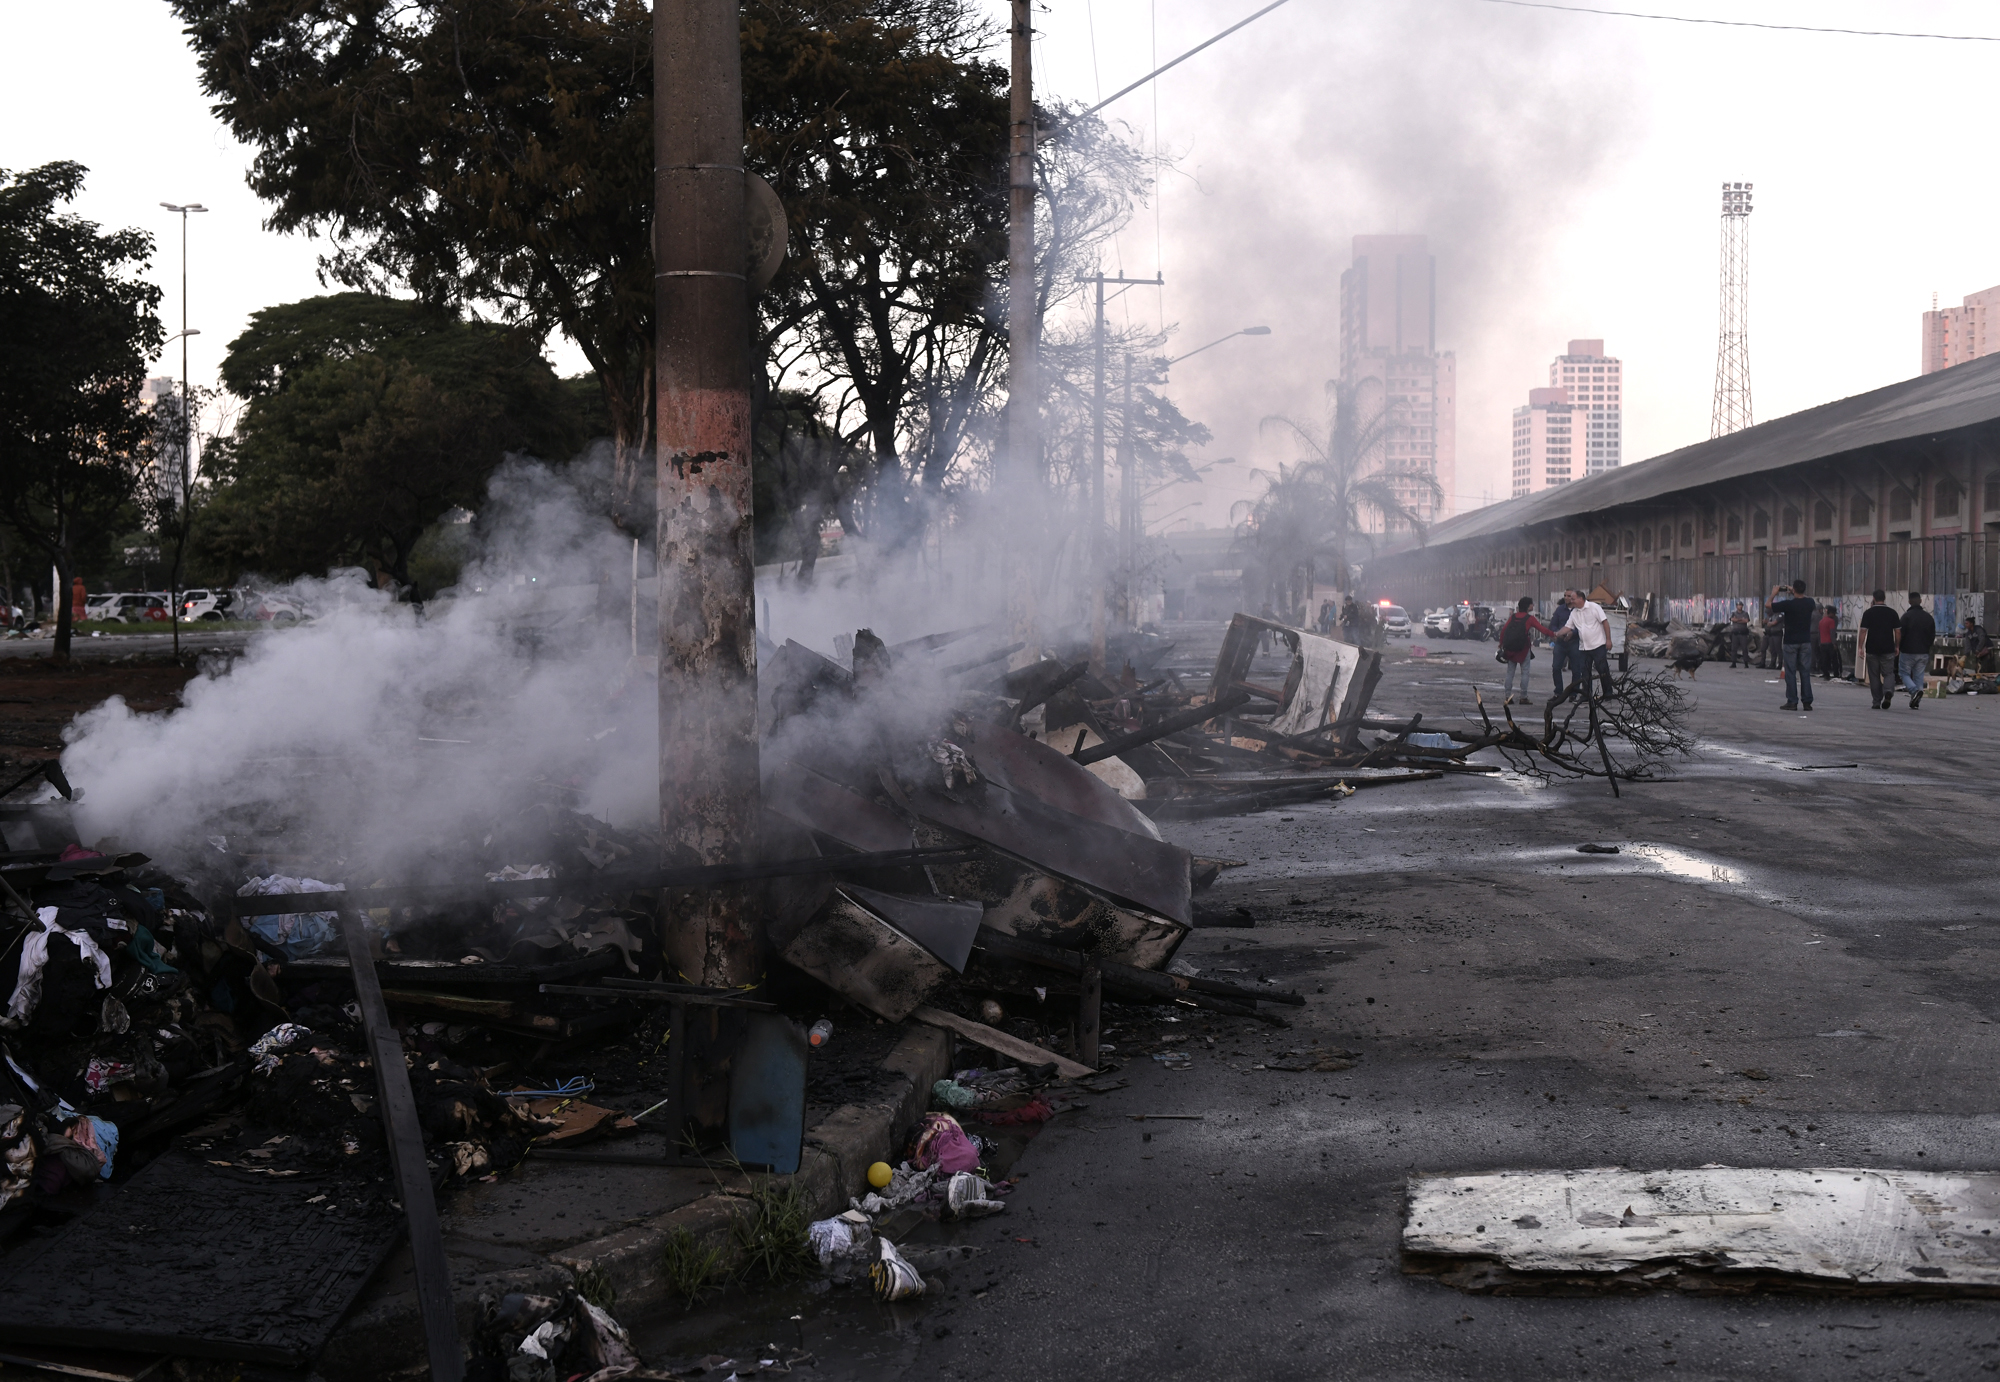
(1127, 90)
(1733, 23)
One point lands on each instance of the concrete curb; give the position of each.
(385, 1338)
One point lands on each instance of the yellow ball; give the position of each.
(880, 1175)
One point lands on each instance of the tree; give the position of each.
(884, 134)
(471, 152)
(1313, 512)
(76, 333)
(367, 419)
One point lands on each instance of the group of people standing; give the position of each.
(1579, 634)
(1355, 622)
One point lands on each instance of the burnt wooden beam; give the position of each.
(648, 880)
(406, 1154)
(1173, 724)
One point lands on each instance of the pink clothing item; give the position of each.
(943, 1144)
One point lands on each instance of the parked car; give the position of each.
(148, 608)
(99, 608)
(212, 606)
(279, 611)
(1395, 620)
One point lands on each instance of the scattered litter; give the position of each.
(1597, 849)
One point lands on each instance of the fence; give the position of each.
(1953, 572)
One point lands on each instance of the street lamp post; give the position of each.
(187, 415)
(185, 480)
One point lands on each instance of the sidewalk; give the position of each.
(540, 1227)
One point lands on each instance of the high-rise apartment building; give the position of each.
(1388, 350)
(1957, 334)
(1595, 384)
(1548, 441)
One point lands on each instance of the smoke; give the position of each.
(1477, 125)
(381, 738)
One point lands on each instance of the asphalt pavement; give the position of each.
(1790, 962)
(114, 645)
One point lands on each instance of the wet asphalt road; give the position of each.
(1531, 1007)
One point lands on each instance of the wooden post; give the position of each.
(1088, 1014)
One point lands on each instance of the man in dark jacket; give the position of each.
(1913, 648)
(1797, 615)
(1880, 628)
(1561, 644)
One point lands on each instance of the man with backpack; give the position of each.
(1516, 645)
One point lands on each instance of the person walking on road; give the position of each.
(1880, 629)
(1769, 652)
(1592, 651)
(1517, 645)
(1796, 616)
(1739, 637)
(1913, 648)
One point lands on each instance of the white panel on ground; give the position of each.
(1842, 1225)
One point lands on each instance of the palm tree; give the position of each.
(1314, 511)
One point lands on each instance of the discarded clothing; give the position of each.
(953, 1095)
(907, 1185)
(35, 958)
(98, 1137)
(1036, 1110)
(266, 1048)
(967, 1196)
(295, 935)
(944, 1146)
(843, 1237)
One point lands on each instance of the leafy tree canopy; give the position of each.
(76, 333)
(369, 420)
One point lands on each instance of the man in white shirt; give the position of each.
(1593, 641)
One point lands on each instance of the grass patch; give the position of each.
(771, 1234)
(690, 1267)
(594, 1286)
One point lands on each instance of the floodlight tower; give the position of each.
(1732, 342)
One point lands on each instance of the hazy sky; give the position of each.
(1566, 167)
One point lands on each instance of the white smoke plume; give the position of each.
(381, 738)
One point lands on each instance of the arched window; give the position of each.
(1708, 524)
(1687, 534)
(1597, 546)
(1733, 530)
(1822, 516)
(1993, 491)
(1860, 511)
(1760, 524)
(1646, 539)
(1569, 550)
(1788, 522)
(1945, 499)
(1899, 505)
(1628, 542)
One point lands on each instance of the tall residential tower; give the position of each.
(1595, 383)
(1958, 334)
(1388, 350)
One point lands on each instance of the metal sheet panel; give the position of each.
(1850, 1226)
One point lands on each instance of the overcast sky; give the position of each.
(1566, 167)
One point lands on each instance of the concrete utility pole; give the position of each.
(708, 650)
(1017, 487)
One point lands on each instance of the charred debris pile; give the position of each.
(940, 834)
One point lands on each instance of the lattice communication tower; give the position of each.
(1732, 342)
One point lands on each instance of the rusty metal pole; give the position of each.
(1018, 486)
(1094, 509)
(708, 651)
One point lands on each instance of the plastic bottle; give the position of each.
(820, 1035)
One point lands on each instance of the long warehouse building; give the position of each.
(1897, 489)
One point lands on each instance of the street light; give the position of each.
(187, 417)
(1246, 331)
(186, 477)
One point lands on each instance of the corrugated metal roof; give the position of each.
(1962, 396)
